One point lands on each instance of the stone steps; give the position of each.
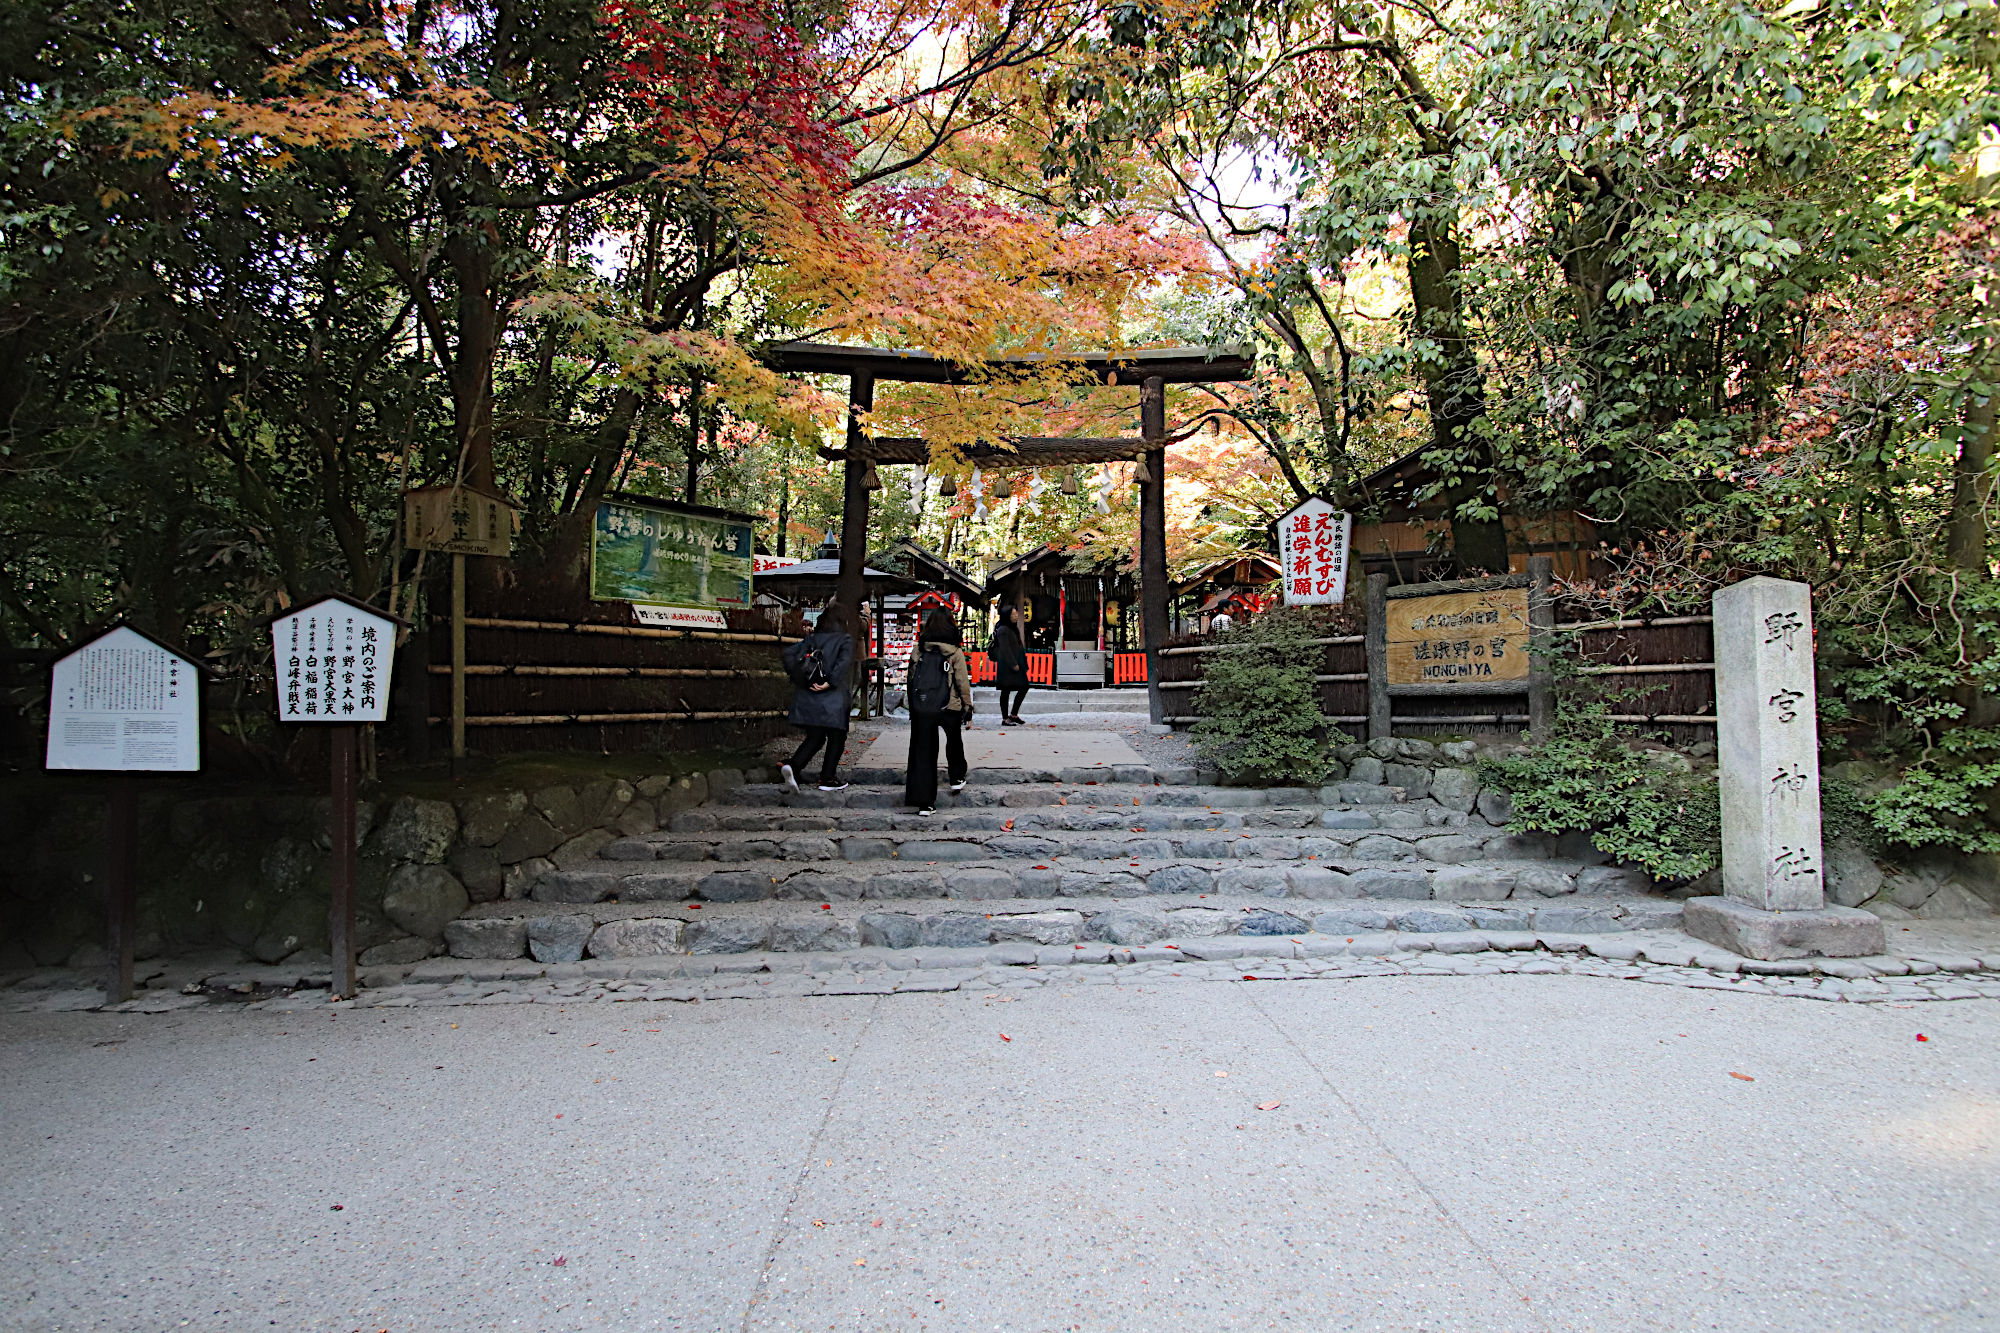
(1001, 877)
(1102, 842)
(882, 789)
(1075, 818)
(563, 933)
(1097, 856)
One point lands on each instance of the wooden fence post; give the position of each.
(1541, 641)
(1379, 726)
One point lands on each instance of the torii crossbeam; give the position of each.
(1151, 369)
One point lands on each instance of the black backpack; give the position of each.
(930, 682)
(803, 662)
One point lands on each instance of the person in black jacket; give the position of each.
(948, 713)
(819, 666)
(1010, 664)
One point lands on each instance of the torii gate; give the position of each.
(1152, 369)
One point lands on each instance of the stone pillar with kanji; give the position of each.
(1773, 902)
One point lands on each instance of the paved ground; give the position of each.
(1479, 1152)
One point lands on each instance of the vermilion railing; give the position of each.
(1128, 668)
(1042, 668)
(981, 666)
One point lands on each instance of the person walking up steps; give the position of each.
(1010, 664)
(821, 700)
(940, 694)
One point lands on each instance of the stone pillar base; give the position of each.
(1824, 932)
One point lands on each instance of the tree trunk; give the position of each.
(1456, 391)
(1972, 479)
(471, 257)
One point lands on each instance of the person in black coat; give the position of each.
(822, 700)
(1010, 664)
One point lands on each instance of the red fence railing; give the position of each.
(1128, 668)
(1042, 668)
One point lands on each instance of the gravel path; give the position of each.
(1098, 1149)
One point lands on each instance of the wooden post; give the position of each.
(1541, 640)
(340, 829)
(121, 911)
(854, 519)
(457, 658)
(1380, 725)
(1153, 538)
(881, 661)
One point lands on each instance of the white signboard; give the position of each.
(333, 663)
(679, 617)
(124, 703)
(1312, 545)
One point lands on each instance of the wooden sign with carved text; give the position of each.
(1459, 638)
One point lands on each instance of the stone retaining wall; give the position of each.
(251, 871)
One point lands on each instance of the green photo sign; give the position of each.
(675, 565)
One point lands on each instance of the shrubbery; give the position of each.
(1585, 777)
(1260, 703)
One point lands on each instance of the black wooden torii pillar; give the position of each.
(1152, 369)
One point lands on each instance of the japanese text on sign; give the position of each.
(332, 663)
(1313, 544)
(123, 703)
(1452, 638)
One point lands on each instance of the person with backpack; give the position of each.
(940, 697)
(1010, 664)
(821, 700)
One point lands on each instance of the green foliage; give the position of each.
(1941, 800)
(1260, 703)
(1846, 814)
(1585, 777)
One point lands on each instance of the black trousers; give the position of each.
(1020, 697)
(834, 741)
(920, 784)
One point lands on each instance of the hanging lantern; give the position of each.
(948, 486)
(870, 479)
(1069, 484)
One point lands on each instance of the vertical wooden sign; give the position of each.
(124, 703)
(333, 659)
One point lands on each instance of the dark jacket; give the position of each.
(956, 671)
(826, 708)
(1010, 659)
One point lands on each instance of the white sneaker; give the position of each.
(928, 810)
(837, 786)
(958, 785)
(791, 778)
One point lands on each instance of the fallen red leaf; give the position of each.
(1248, 977)
(560, 1261)
(1269, 1106)
(694, 907)
(826, 907)
(1745, 1077)
(1922, 1037)
(1005, 1037)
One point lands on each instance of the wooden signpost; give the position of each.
(333, 659)
(1313, 543)
(1470, 637)
(459, 521)
(124, 703)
